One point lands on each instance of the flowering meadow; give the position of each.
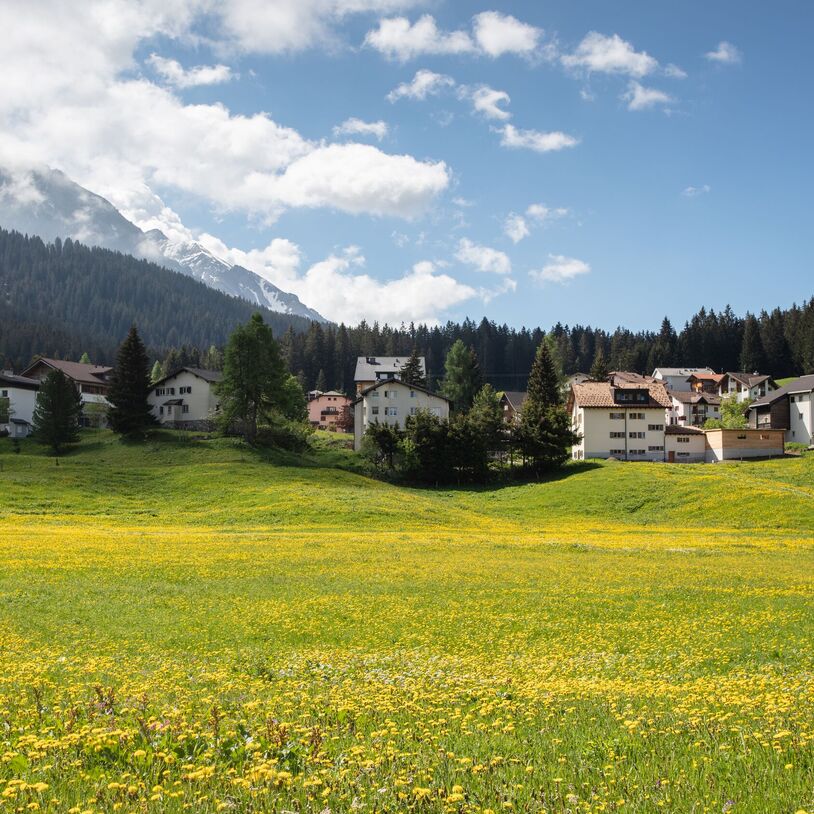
(193, 627)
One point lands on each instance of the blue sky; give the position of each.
(670, 178)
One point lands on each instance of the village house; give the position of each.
(691, 408)
(735, 445)
(372, 369)
(789, 408)
(511, 402)
(619, 418)
(186, 399)
(18, 399)
(684, 444)
(92, 382)
(678, 378)
(391, 401)
(706, 382)
(746, 386)
(325, 409)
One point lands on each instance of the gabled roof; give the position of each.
(681, 371)
(516, 398)
(321, 393)
(210, 376)
(369, 367)
(749, 379)
(717, 378)
(805, 384)
(680, 429)
(21, 382)
(692, 397)
(79, 372)
(602, 394)
(393, 380)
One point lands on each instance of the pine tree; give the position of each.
(462, 377)
(254, 377)
(84, 359)
(156, 373)
(599, 369)
(58, 411)
(321, 382)
(130, 414)
(486, 417)
(544, 381)
(412, 372)
(752, 356)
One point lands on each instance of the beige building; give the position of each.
(684, 445)
(186, 399)
(735, 445)
(620, 418)
(392, 402)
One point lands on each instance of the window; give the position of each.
(5, 394)
(171, 391)
(617, 435)
(682, 454)
(374, 410)
(655, 449)
(184, 408)
(182, 390)
(374, 394)
(683, 439)
(391, 410)
(637, 416)
(412, 394)
(655, 427)
(636, 434)
(741, 438)
(764, 437)
(617, 452)
(414, 411)
(617, 416)
(159, 391)
(161, 411)
(637, 452)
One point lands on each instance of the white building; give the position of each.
(619, 418)
(677, 378)
(372, 369)
(687, 445)
(186, 399)
(392, 402)
(789, 408)
(746, 386)
(19, 399)
(692, 408)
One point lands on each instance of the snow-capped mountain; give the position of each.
(46, 202)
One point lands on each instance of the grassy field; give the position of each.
(189, 625)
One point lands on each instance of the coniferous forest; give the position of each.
(65, 299)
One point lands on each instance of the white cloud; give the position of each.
(173, 73)
(487, 101)
(694, 192)
(354, 126)
(493, 34)
(425, 83)
(599, 53)
(725, 54)
(483, 258)
(398, 38)
(639, 97)
(515, 227)
(497, 34)
(535, 140)
(674, 72)
(560, 269)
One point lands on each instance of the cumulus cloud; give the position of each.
(724, 54)
(535, 140)
(560, 269)
(483, 258)
(354, 127)
(493, 34)
(173, 73)
(694, 192)
(599, 53)
(674, 72)
(639, 97)
(487, 101)
(425, 83)
(517, 227)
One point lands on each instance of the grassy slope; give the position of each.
(642, 624)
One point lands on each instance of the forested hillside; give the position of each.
(63, 299)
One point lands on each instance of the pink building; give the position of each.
(325, 409)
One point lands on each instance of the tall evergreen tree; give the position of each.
(486, 417)
(157, 372)
(58, 411)
(412, 373)
(84, 358)
(129, 414)
(752, 357)
(544, 380)
(462, 378)
(599, 369)
(254, 377)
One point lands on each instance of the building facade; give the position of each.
(372, 369)
(392, 402)
(789, 408)
(186, 399)
(746, 386)
(678, 378)
(18, 400)
(691, 408)
(684, 445)
(511, 402)
(326, 409)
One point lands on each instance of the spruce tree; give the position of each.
(752, 357)
(58, 411)
(412, 372)
(84, 359)
(156, 373)
(599, 369)
(129, 414)
(462, 377)
(544, 380)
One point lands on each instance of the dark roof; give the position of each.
(749, 379)
(211, 376)
(516, 398)
(173, 402)
(368, 367)
(19, 381)
(678, 429)
(396, 381)
(804, 384)
(694, 397)
(79, 372)
(21, 421)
